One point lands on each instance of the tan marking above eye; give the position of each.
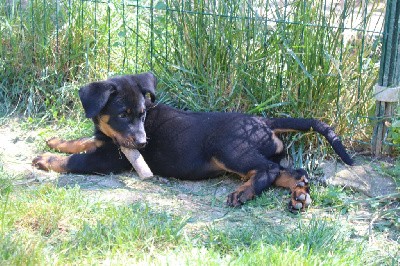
(104, 118)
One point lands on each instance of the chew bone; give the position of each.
(137, 161)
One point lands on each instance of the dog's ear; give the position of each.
(94, 97)
(147, 83)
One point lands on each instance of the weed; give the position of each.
(304, 243)
(233, 56)
(19, 250)
(271, 199)
(393, 171)
(126, 228)
(51, 225)
(222, 56)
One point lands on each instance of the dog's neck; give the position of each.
(152, 112)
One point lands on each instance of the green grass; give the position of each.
(67, 128)
(230, 62)
(393, 171)
(46, 224)
(229, 59)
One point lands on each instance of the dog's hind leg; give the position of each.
(258, 180)
(74, 146)
(297, 182)
(260, 174)
(257, 172)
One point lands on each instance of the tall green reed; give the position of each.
(261, 57)
(297, 64)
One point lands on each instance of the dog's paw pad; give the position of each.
(240, 196)
(54, 143)
(300, 198)
(233, 199)
(41, 162)
(49, 162)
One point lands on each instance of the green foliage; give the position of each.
(79, 229)
(46, 224)
(312, 242)
(332, 197)
(19, 251)
(394, 172)
(226, 62)
(225, 55)
(126, 228)
(394, 131)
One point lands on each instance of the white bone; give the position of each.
(138, 163)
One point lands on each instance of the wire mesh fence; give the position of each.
(316, 58)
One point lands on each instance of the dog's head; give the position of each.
(117, 107)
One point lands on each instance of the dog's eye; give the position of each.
(123, 115)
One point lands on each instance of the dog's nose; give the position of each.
(140, 145)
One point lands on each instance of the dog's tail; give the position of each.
(304, 124)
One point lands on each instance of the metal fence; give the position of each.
(315, 58)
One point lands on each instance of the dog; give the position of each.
(183, 144)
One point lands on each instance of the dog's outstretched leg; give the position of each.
(74, 146)
(104, 160)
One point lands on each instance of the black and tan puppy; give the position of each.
(182, 144)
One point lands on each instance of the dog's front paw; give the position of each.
(54, 143)
(240, 196)
(300, 198)
(49, 162)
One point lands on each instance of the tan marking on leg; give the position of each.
(51, 162)
(249, 175)
(278, 143)
(286, 180)
(75, 146)
(243, 193)
(300, 198)
(218, 165)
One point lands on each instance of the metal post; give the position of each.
(387, 91)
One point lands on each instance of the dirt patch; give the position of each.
(203, 200)
(364, 177)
